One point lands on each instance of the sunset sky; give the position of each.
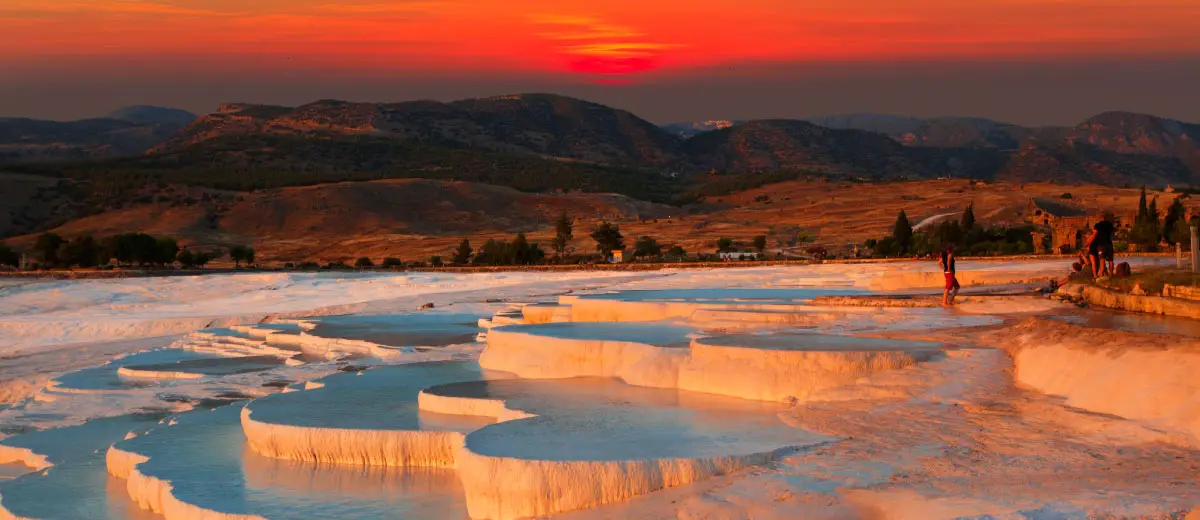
(1027, 61)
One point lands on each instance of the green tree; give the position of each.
(241, 254)
(1181, 232)
(1142, 211)
(46, 248)
(646, 246)
(363, 263)
(462, 255)
(202, 258)
(902, 232)
(493, 252)
(1147, 230)
(186, 258)
(760, 243)
(434, 260)
(132, 248)
(165, 250)
(1175, 212)
(521, 252)
(563, 233)
(518, 250)
(82, 251)
(968, 218)
(724, 245)
(677, 252)
(608, 238)
(9, 257)
(392, 263)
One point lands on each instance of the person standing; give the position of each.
(946, 262)
(1100, 249)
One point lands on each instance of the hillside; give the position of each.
(415, 219)
(408, 218)
(542, 143)
(797, 145)
(532, 124)
(129, 131)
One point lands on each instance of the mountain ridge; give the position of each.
(539, 142)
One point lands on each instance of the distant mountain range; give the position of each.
(128, 131)
(538, 142)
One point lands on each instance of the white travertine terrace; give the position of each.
(157, 374)
(502, 488)
(792, 366)
(560, 439)
(26, 456)
(375, 447)
(771, 368)
(1119, 373)
(316, 425)
(605, 310)
(534, 352)
(526, 466)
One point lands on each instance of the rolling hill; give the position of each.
(542, 144)
(414, 219)
(128, 131)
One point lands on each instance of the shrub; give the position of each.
(9, 257)
(363, 263)
(392, 263)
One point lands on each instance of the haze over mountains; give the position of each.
(127, 131)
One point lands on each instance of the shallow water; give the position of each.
(78, 485)
(598, 419)
(222, 366)
(380, 398)
(205, 457)
(432, 329)
(659, 334)
(1132, 322)
(817, 342)
(105, 377)
(781, 296)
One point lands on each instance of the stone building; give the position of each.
(1069, 225)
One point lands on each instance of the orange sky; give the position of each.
(596, 39)
(1035, 61)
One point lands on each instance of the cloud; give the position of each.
(597, 46)
(416, 6)
(619, 49)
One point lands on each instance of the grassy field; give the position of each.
(414, 220)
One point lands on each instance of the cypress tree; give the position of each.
(902, 231)
(968, 217)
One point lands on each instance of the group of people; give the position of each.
(1096, 255)
(1099, 248)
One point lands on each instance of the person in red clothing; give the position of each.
(946, 262)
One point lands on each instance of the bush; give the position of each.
(363, 263)
(676, 252)
(435, 261)
(392, 263)
(517, 252)
(646, 246)
(9, 257)
(241, 254)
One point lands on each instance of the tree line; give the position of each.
(965, 234)
(51, 250)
